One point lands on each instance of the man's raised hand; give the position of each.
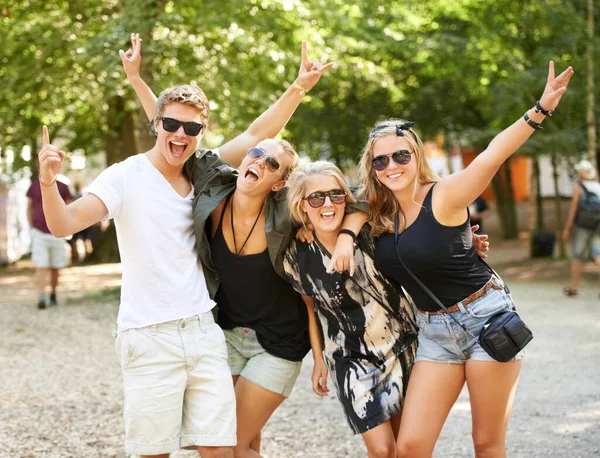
(51, 160)
(132, 58)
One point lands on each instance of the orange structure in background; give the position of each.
(519, 169)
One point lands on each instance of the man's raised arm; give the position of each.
(267, 125)
(63, 219)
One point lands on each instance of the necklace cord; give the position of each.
(249, 233)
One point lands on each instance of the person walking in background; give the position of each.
(583, 223)
(83, 235)
(478, 211)
(47, 252)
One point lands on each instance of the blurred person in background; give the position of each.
(583, 223)
(47, 252)
(478, 211)
(85, 245)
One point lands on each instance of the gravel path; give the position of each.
(60, 386)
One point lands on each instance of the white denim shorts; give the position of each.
(178, 391)
(47, 251)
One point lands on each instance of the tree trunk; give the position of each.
(502, 186)
(532, 204)
(120, 144)
(127, 134)
(539, 203)
(557, 207)
(141, 17)
(593, 154)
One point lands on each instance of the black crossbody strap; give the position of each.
(420, 283)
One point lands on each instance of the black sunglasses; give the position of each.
(172, 125)
(317, 198)
(271, 163)
(402, 157)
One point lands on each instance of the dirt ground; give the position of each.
(60, 384)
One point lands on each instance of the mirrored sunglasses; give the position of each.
(317, 199)
(271, 163)
(172, 125)
(402, 157)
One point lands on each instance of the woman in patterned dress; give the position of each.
(368, 325)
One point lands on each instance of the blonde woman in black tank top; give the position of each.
(433, 242)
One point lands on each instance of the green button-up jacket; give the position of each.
(213, 181)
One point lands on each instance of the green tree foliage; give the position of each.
(463, 68)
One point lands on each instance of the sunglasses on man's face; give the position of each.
(271, 163)
(402, 157)
(172, 125)
(317, 199)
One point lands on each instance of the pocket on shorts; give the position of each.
(216, 334)
(124, 347)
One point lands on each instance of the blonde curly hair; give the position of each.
(297, 187)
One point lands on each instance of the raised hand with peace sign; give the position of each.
(310, 70)
(132, 58)
(555, 87)
(51, 160)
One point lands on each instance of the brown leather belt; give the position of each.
(472, 298)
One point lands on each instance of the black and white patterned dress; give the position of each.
(368, 327)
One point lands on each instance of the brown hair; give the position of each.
(186, 94)
(381, 199)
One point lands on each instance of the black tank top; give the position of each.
(442, 257)
(251, 294)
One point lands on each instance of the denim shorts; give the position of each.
(248, 358)
(441, 339)
(584, 240)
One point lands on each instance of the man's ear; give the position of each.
(278, 186)
(153, 127)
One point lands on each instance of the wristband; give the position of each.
(531, 123)
(301, 89)
(46, 185)
(349, 232)
(539, 109)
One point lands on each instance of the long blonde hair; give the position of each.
(381, 199)
(297, 187)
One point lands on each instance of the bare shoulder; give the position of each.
(443, 212)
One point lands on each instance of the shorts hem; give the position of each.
(37, 266)
(282, 392)
(136, 448)
(236, 370)
(489, 359)
(442, 361)
(201, 440)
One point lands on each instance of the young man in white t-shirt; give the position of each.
(177, 384)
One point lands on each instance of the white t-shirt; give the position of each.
(162, 279)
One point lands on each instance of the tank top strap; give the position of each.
(428, 198)
(219, 227)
